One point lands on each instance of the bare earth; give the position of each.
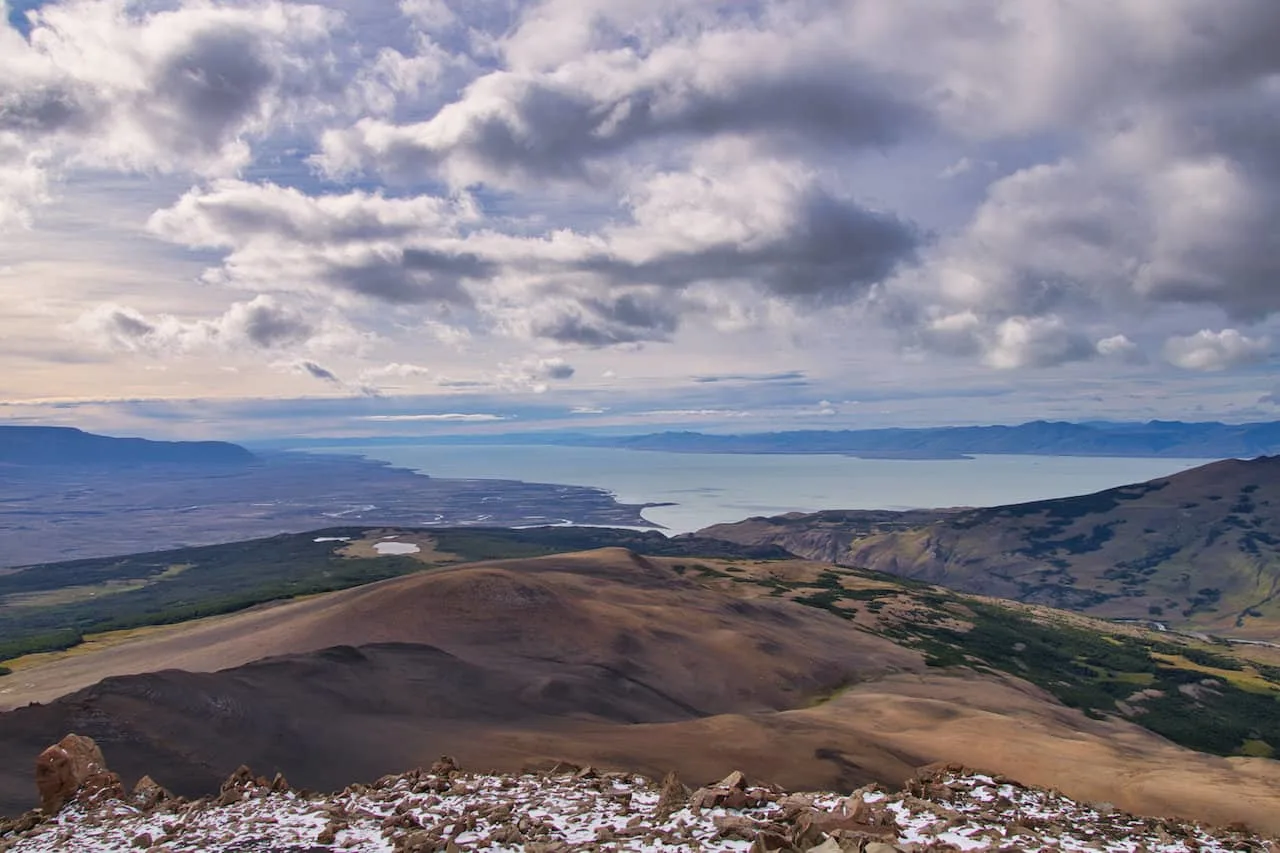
(603, 658)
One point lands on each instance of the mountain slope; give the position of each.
(1198, 550)
(39, 446)
(801, 673)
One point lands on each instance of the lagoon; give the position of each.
(710, 488)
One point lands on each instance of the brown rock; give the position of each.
(72, 764)
(733, 780)
(673, 797)
(241, 779)
(22, 823)
(736, 826)
(445, 766)
(148, 793)
(771, 842)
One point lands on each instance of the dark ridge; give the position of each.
(38, 445)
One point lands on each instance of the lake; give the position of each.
(709, 488)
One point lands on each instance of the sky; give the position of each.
(350, 217)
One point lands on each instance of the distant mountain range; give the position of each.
(40, 445)
(1198, 550)
(1157, 438)
(1167, 439)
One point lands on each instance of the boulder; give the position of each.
(71, 768)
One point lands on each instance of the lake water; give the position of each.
(709, 488)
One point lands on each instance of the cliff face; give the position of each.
(38, 446)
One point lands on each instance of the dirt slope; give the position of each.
(604, 658)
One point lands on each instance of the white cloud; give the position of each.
(461, 417)
(262, 323)
(104, 84)
(1120, 348)
(396, 369)
(1208, 350)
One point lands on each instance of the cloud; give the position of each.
(513, 127)
(358, 243)
(396, 369)
(100, 83)
(316, 371)
(694, 413)
(1207, 350)
(893, 193)
(1120, 348)
(461, 417)
(261, 323)
(736, 222)
(789, 377)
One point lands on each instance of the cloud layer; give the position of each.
(437, 196)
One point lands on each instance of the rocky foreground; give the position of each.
(569, 808)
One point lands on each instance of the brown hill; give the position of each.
(602, 658)
(1197, 550)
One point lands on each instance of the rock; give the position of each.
(880, 847)
(828, 846)
(142, 840)
(23, 823)
(241, 779)
(673, 797)
(148, 793)
(733, 780)
(771, 842)
(279, 784)
(736, 826)
(564, 768)
(445, 766)
(71, 767)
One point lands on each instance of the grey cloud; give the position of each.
(833, 248)
(789, 377)
(209, 88)
(406, 278)
(43, 109)
(128, 325)
(596, 322)
(321, 373)
(266, 324)
(515, 126)
(558, 371)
